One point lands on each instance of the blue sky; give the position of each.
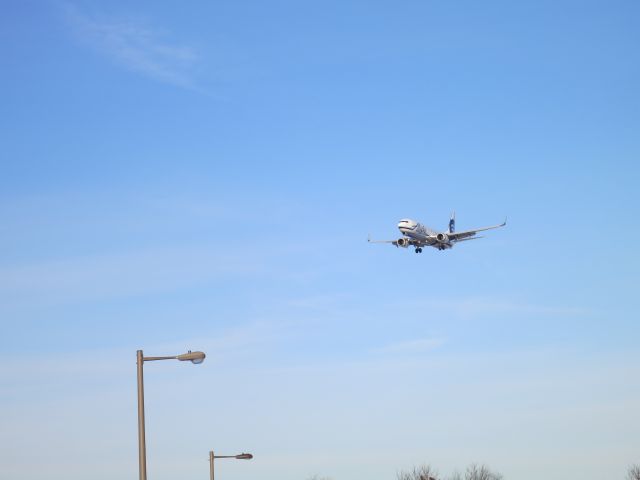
(205, 177)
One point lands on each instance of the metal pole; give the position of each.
(211, 457)
(142, 449)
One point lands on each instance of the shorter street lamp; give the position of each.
(212, 457)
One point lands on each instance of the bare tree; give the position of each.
(473, 472)
(481, 472)
(423, 472)
(455, 476)
(633, 473)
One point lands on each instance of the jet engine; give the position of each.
(402, 242)
(442, 238)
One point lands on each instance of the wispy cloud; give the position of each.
(475, 306)
(118, 275)
(223, 347)
(136, 46)
(414, 346)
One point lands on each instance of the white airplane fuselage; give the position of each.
(421, 233)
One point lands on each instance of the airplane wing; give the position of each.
(469, 238)
(411, 242)
(380, 241)
(459, 236)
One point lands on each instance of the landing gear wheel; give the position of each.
(418, 250)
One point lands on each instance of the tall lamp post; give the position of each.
(193, 357)
(212, 457)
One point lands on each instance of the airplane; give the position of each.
(417, 235)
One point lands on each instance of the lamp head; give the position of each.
(244, 456)
(193, 357)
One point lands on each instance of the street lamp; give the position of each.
(242, 456)
(193, 357)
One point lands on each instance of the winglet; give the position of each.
(505, 221)
(369, 238)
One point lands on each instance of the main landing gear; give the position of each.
(418, 250)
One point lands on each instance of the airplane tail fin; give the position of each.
(452, 222)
